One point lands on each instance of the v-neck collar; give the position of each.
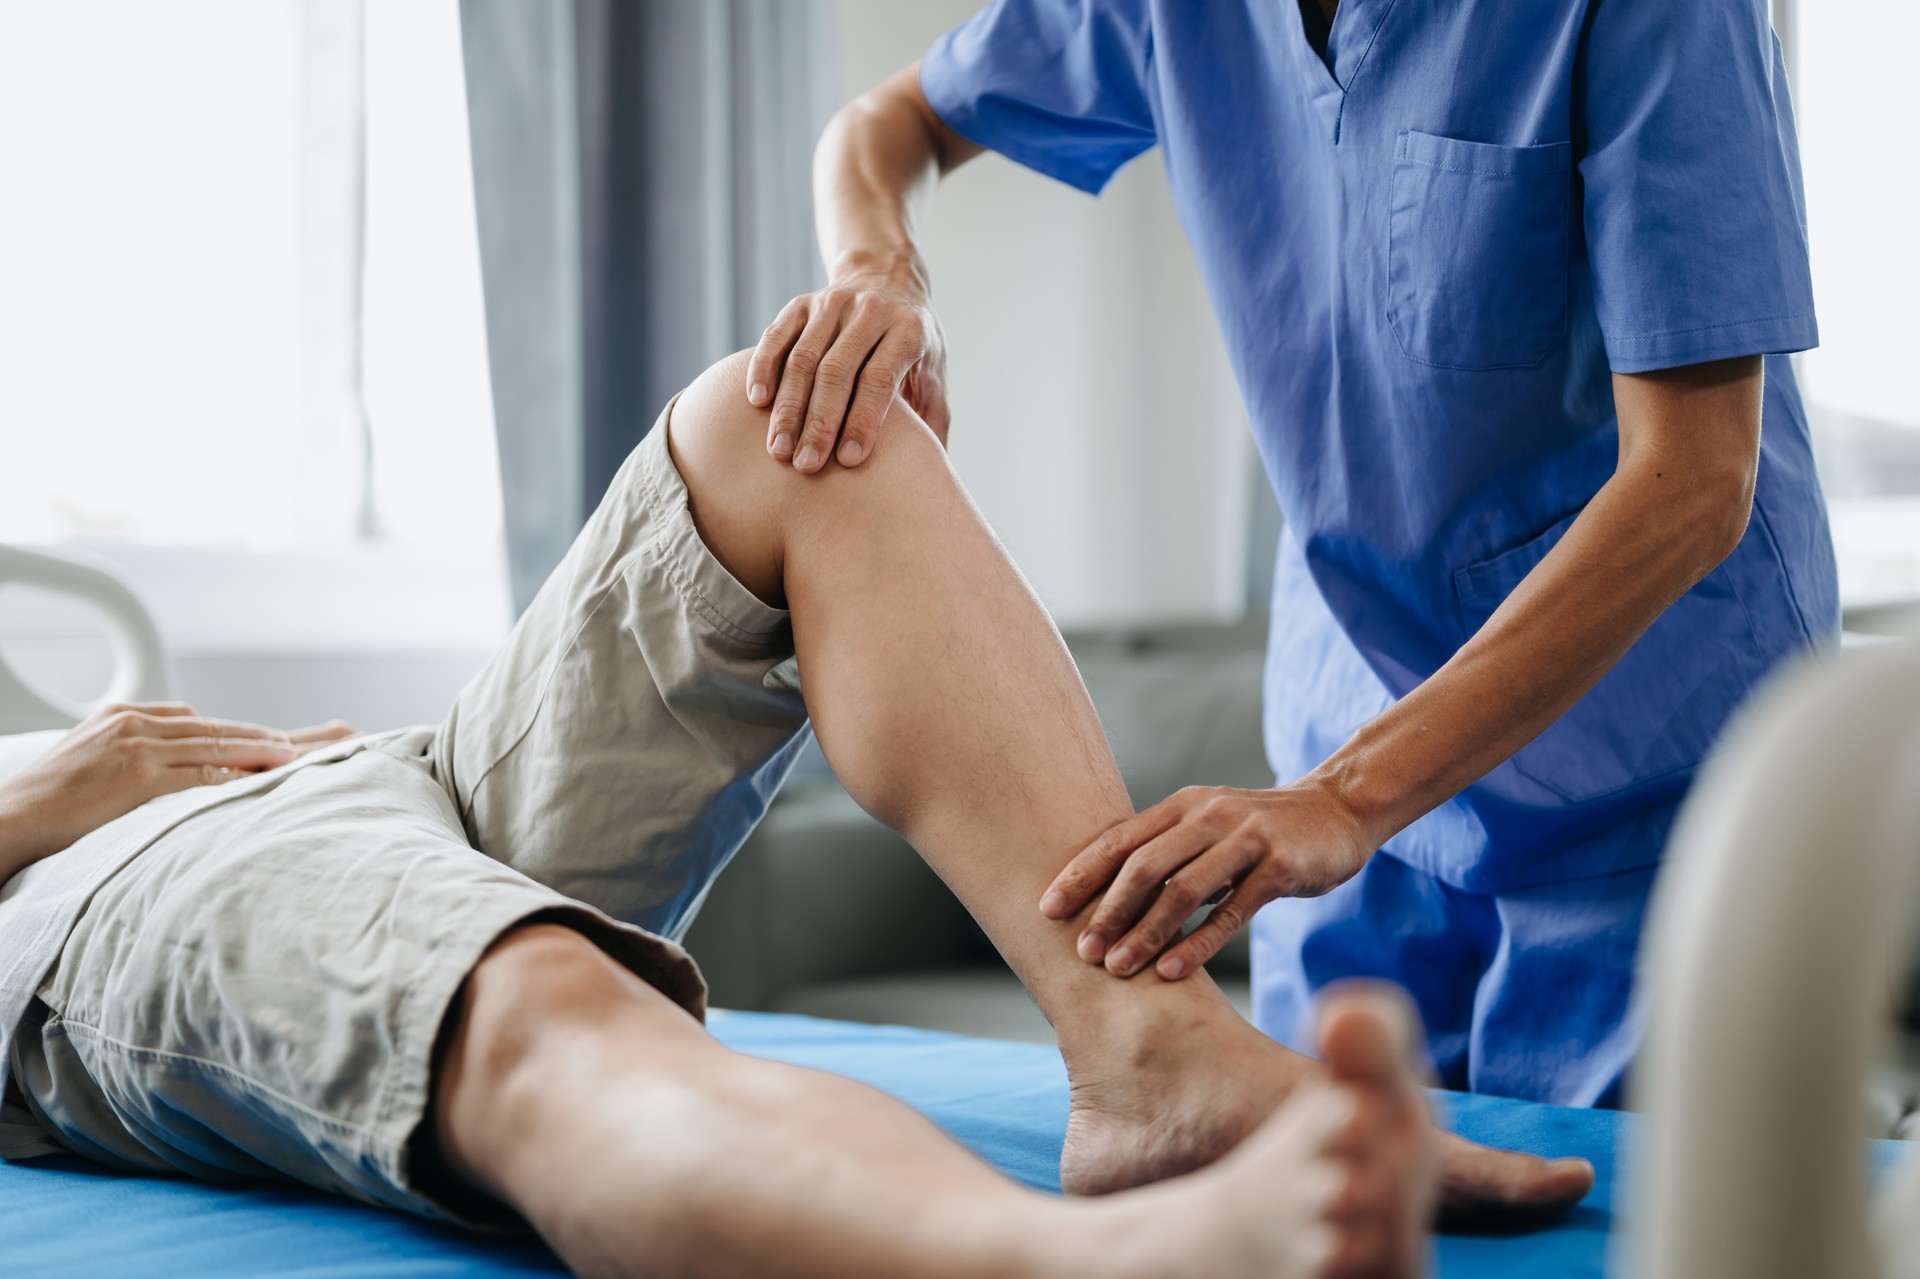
(1355, 25)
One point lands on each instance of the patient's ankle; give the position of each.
(1144, 1023)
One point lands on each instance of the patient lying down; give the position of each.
(432, 969)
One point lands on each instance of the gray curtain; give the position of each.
(641, 174)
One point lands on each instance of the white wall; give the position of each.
(1849, 94)
(1860, 205)
(1095, 418)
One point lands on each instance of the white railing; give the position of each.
(140, 664)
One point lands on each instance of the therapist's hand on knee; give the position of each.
(1239, 848)
(832, 361)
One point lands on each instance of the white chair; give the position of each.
(140, 663)
(1779, 932)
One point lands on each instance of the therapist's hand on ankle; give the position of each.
(1238, 848)
(832, 361)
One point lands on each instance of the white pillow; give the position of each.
(17, 750)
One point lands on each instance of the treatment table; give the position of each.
(67, 1219)
(1787, 888)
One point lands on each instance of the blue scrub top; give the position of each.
(1428, 252)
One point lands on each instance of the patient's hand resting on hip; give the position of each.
(123, 756)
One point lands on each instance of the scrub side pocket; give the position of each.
(1657, 712)
(1477, 251)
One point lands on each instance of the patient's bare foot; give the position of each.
(1156, 1100)
(1341, 1181)
(1152, 1100)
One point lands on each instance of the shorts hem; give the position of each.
(408, 1091)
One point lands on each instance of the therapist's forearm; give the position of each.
(1677, 506)
(874, 174)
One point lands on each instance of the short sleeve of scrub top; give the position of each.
(1058, 87)
(1695, 221)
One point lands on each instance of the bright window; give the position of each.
(191, 224)
(1852, 94)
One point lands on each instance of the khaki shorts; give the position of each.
(259, 993)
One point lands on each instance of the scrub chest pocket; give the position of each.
(1477, 251)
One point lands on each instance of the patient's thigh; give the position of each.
(627, 737)
(259, 993)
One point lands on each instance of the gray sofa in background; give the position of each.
(825, 911)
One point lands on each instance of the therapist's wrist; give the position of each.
(895, 269)
(1405, 761)
(1362, 798)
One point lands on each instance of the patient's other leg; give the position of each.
(949, 707)
(637, 1144)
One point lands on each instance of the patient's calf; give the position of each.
(950, 708)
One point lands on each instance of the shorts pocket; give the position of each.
(1657, 712)
(1477, 245)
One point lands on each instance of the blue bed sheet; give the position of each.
(1007, 1101)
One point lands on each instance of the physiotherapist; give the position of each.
(1508, 289)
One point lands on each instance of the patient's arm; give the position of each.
(123, 756)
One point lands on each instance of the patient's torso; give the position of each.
(354, 791)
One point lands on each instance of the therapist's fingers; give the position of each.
(770, 353)
(1143, 880)
(1222, 924)
(880, 381)
(1185, 891)
(767, 368)
(796, 382)
(1094, 867)
(846, 363)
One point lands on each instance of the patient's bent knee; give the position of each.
(725, 436)
(736, 489)
(715, 406)
(745, 501)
